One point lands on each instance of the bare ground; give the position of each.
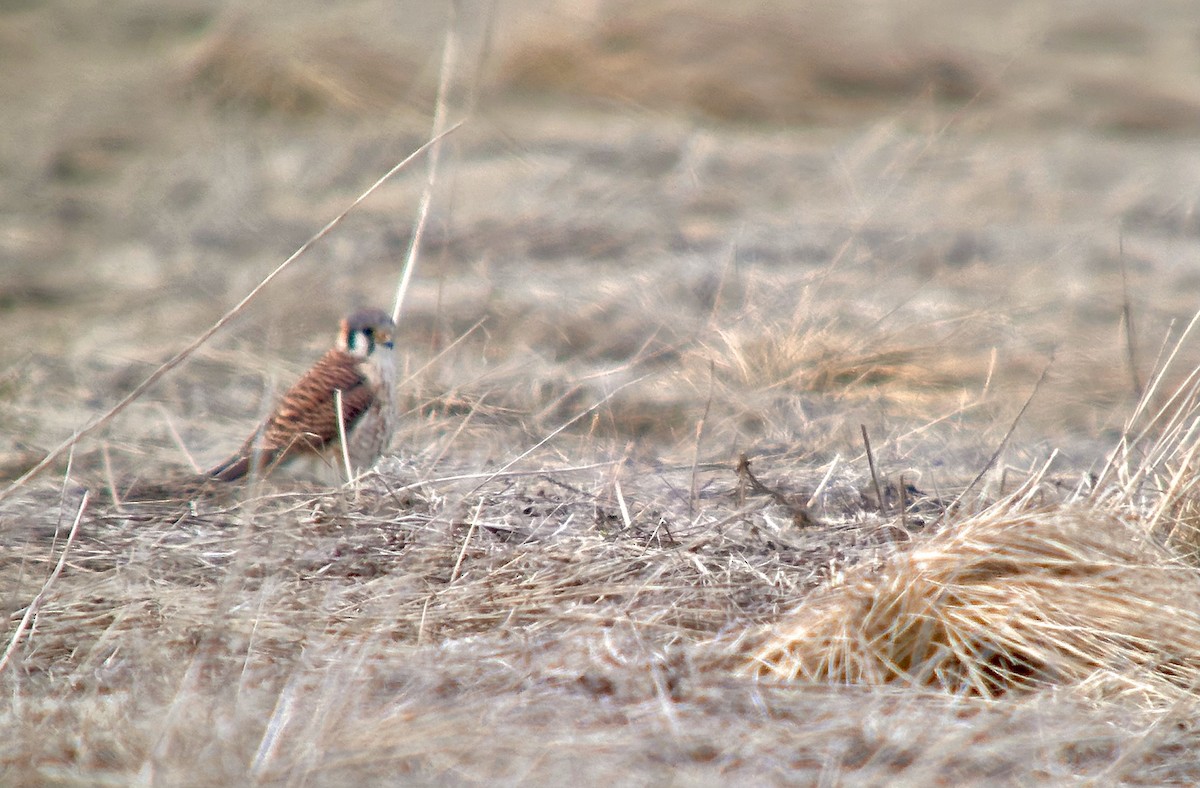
(664, 238)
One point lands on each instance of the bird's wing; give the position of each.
(306, 419)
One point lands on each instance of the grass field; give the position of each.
(680, 265)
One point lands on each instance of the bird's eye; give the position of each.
(368, 331)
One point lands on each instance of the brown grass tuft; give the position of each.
(829, 361)
(737, 66)
(1129, 106)
(1004, 604)
(318, 74)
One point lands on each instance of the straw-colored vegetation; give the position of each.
(788, 395)
(998, 604)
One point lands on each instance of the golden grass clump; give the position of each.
(738, 66)
(923, 370)
(318, 74)
(1000, 604)
(828, 360)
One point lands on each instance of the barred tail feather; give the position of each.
(237, 466)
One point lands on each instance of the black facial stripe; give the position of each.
(367, 334)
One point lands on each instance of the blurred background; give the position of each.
(792, 217)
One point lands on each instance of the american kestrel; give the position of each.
(305, 422)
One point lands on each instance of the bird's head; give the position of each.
(364, 331)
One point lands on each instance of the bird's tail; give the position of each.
(242, 463)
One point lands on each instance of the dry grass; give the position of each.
(1005, 603)
(562, 575)
(239, 67)
(751, 65)
(844, 361)
(470, 625)
(272, 589)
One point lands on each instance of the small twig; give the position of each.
(712, 372)
(903, 504)
(800, 514)
(621, 503)
(175, 436)
(62, 495)
(36, 604)
(400, 505)
(1127, 319)
(871, 465)
(1120, 454)
(281, 716)
(812, 499)
(341, 422)
(421, 623)
(449, 63)
(466, 541)
(110, 477)
(1003, 441)
(744, 472)
(488, 476)
(449, 440)
(728, 263)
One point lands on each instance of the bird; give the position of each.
(305, 423)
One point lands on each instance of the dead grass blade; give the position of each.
(1122, 464)
(1004, 441)
(36, 604)
(449, 65)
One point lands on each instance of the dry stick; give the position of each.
(1181, 479)
(812, 499)
(488, 476)
(712, 374)
(1170, 419)
(487, 36)
(871, 465)
(1127, 318)
(624, 508)
(421, 624)
(1121, 451)
(36, 604)
(341, 425)
(108, 474)
(727, 264)
(799, 512)
(195, 344)
(175, 436)
(449, 61)
(463, 423)
(1156, 379)
(1004, 441)
(280, 717)
(466, 541)
(1021, 500)
(62, 496)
